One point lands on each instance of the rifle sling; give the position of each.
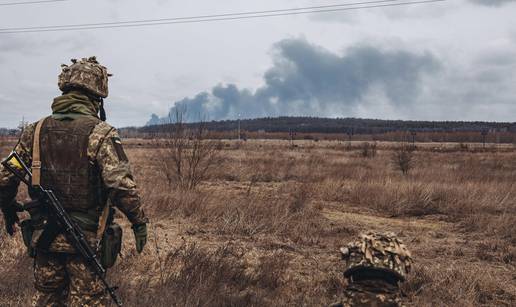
(36, 154)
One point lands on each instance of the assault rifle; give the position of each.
(59, 216)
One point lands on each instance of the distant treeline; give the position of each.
(9, 132)
(341, 125)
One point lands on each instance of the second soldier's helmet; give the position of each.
(86, 74)
(380, 252)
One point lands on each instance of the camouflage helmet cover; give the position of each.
(377, 251)
(87, 74)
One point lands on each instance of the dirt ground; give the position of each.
(265, 228)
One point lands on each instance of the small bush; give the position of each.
(368, 150)
(403, 158)
(463, 147)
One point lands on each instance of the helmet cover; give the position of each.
(86, 74)
(378, 252)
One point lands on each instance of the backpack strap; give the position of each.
(36, 154)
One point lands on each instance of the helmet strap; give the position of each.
(102, 110)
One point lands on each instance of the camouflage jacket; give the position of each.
(370, 293)
(115, 170)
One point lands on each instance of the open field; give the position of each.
(265, 228)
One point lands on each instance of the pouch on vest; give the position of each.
(111, 245)
(27, 231)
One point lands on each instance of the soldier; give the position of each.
(79, 156)
(375, 265)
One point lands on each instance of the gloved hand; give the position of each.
(140, 236)
(10, 216)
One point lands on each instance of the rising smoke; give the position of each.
(308, 80)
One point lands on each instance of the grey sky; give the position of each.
(454, 60)
(492, 2)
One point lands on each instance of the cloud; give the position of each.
(481, 88)
(33, 45)
(10, 44)
(306, 79)
(492, 2)
(341, 17)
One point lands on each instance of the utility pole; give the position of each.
(350, 132)
(484, 134)
(291, 134)
(413, 133)
(239, 127)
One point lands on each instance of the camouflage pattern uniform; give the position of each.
(375, 264)
(60, 274)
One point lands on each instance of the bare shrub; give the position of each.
(403, 158)
(348, 146)
(463, 147)
(368, 150)
(187, 157)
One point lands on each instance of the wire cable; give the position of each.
(206, 16)
(200, 19)
(30, 2)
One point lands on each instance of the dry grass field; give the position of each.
(264, 229)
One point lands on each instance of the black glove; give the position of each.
(140, 236)
(10, 216)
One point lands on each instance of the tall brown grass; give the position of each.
(264, 228)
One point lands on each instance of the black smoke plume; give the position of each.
(308, 80)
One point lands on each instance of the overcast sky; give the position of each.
(453, 60)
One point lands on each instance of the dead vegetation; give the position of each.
(264, 227)
(403, 158)
(187, 156)
(368, 150)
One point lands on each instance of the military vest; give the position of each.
(65, 166)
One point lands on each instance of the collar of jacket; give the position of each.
(72, 105)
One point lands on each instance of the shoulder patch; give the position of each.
(117, 143)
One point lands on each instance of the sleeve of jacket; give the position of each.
(8, 182)
(106, 148)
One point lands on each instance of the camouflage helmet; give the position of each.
(87, 74)
(382, 252)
